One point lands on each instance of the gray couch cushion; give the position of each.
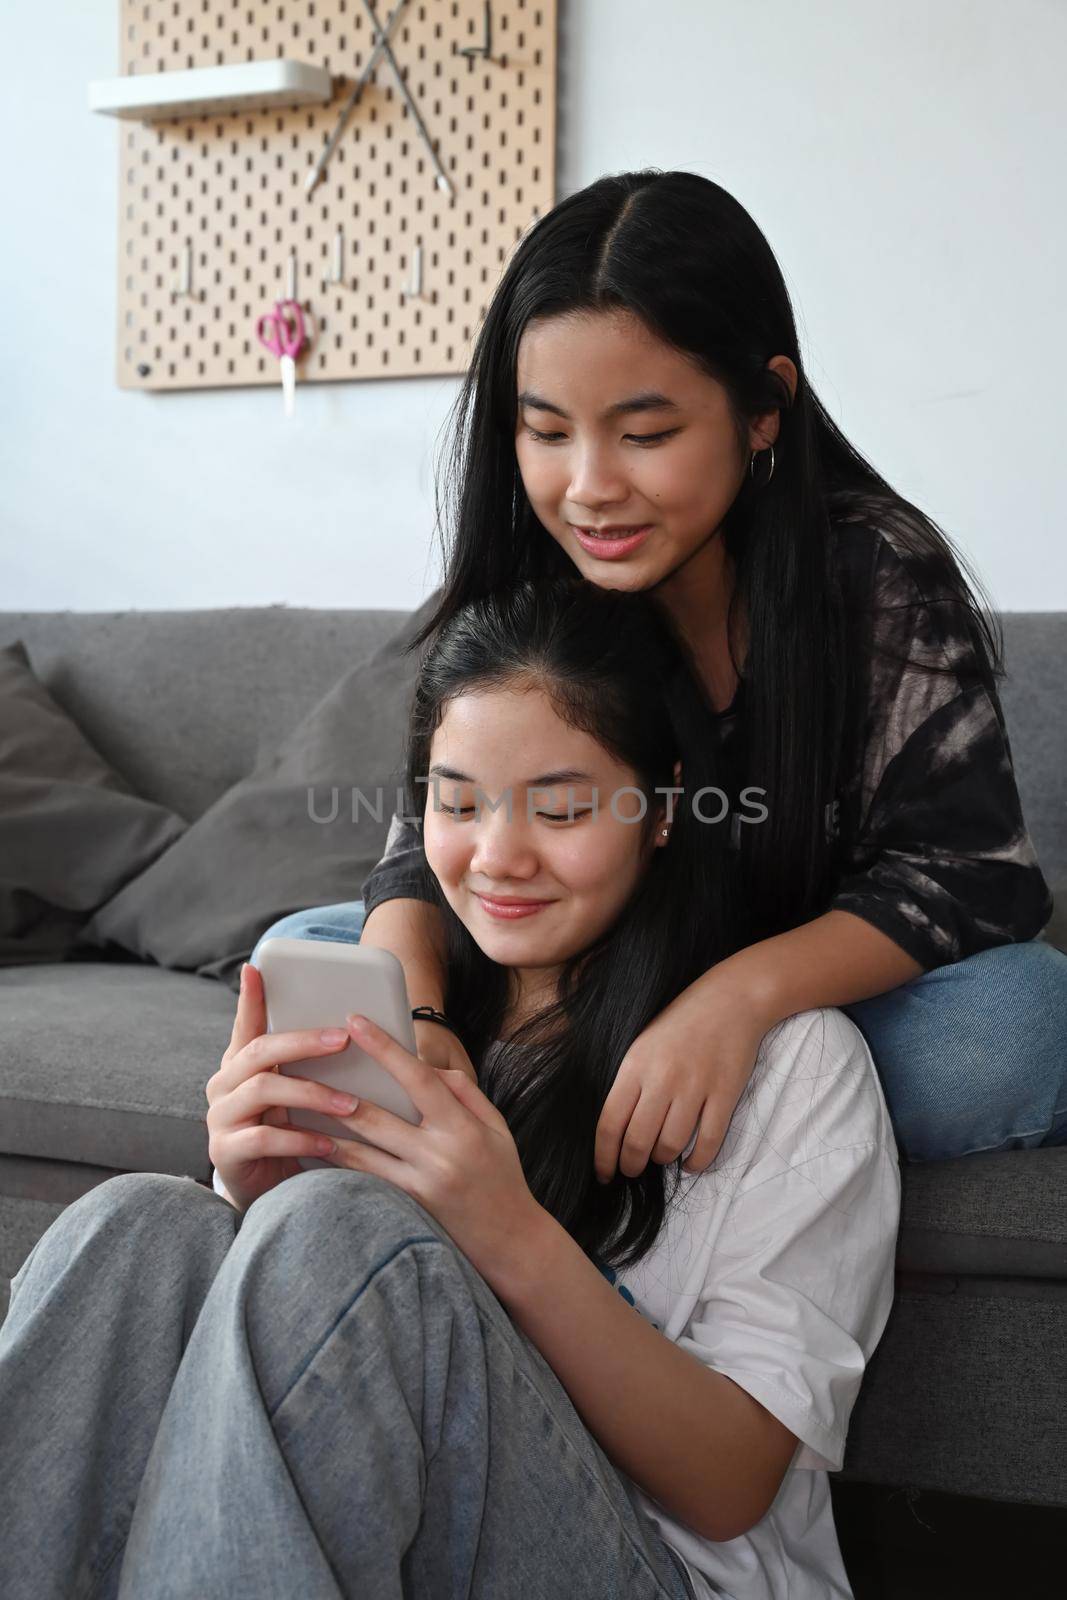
(986, 1215)
(71, 831)
(964, 1393)
(304, 828)
(107, 1063)
(184, 703)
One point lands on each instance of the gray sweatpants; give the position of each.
(320, 1397)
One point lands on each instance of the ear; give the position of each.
(661, 814)
(764, 428)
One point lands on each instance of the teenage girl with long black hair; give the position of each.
(459, 1366)
(638, 369)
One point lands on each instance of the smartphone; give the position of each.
(316, 983)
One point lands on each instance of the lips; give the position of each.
(509, 900)
(509, 908)
(608, 546)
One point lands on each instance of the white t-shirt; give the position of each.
(775, 1267)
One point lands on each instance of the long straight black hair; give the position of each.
(613, 666)
(683, 256)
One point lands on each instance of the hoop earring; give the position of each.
(752, 466)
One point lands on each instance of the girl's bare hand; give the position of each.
(680, 1080)
(460, 1161)
(251, 1142)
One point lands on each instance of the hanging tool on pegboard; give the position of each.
(382, 47)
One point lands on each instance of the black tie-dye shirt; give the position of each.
(932, 846)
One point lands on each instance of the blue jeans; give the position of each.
(317, 1397)
(972, 1056)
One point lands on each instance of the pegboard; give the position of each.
(217, 204)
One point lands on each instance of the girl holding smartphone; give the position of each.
(459, 1365)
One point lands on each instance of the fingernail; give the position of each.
(333, 1036)
(357, 1023)
(244, 969)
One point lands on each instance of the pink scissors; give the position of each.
(281, 331)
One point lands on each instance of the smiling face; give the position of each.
(580, 873)
(593, 470)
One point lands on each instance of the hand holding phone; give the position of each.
(317, 983)
(272, 1098)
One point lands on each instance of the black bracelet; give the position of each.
(428, 1014)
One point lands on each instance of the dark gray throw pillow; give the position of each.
(267, 847)
(72, 831)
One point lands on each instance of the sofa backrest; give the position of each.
(182, 703)
(1035, 709)
(1034, 697)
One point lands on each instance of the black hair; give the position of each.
(611, 665)
(681, 254)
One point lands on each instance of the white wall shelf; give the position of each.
(247, 86)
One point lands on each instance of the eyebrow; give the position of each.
(544, 781)
(650, 400)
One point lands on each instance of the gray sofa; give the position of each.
(103, 1064)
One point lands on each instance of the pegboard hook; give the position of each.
(486, 47)
(336, 272)
(415, 289)
(184, 284)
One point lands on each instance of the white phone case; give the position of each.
(316, 983)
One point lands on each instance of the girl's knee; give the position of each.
(1031, 967)
(131, 1211)
(343, 922)
(354, 1207)
(158, 1203)
(137, 1192)
(328, 1235)
(297, 925)
(1015, 999)
(1044, 969)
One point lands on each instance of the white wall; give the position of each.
(905, 160)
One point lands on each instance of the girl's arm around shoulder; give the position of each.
(697, 1056)
(402, 872)
(413, 931)
(836, 959)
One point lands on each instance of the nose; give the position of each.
(503, 850)
(597, 478)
